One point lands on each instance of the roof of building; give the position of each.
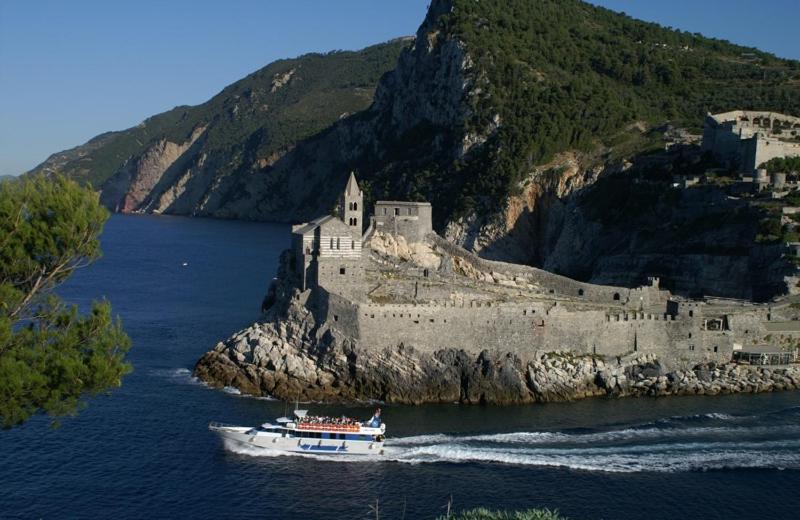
(735, 115)
(352, 186)
(327, 223)
(401, 203)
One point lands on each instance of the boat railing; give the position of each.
(312, 425)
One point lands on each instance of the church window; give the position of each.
(355, 206)
(355, 221)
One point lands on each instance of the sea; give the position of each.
(144, 450)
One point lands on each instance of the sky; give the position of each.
(70, 70)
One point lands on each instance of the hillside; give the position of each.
(243, 128)
(502, 114)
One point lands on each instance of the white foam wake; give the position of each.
(540, 451)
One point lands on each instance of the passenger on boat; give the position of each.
(375, 422)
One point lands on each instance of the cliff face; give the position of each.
(501, 114)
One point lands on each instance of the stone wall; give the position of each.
(527, 329)
(551, 283)
(411, 220)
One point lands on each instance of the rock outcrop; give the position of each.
(289, 355)
(284, 359)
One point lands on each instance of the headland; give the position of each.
(398, 314)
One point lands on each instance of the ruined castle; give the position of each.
(399, 283)
(746, 139)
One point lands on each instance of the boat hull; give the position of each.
(245, 437)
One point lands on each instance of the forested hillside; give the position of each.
(248, 123)
(565, 75)
(500, 113)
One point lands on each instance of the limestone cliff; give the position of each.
(499, 113)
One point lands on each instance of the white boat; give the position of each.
(309, 434)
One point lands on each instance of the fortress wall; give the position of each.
(766, 149)
(525, 330)
(473, 326)
(343, 276)
(338, 313)
(553, 283)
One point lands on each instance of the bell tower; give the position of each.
(351, 205)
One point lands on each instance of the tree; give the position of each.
(51, 356)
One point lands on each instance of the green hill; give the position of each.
(565, 75)
(266, 112)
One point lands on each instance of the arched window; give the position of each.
(355, 221)
(580, 292)
(616, 296)
(355, 206)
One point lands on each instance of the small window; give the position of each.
(342, 270)
(352, 244)
(397, 211)
(338, 244)
(355, 221)
(409, 211)
(580, 292)
(355, 206)
(335, 317)
(715, 349)
(616, 296)
(331, 242)
(384, 211)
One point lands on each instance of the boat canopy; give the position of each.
(300, 413)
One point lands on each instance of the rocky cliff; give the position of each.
(289, 355)
(501, 114)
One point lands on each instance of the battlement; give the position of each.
(746, 139)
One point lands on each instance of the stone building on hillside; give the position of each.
(411, 220)
(746, 139)
(327, 250)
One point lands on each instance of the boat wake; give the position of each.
(677, 444)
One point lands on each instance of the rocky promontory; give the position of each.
(288, 355)
(263, 360)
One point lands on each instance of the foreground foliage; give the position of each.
(50, 354)
(486, 514)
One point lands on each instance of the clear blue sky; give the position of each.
(70, 70)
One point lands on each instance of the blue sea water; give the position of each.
(144, 450)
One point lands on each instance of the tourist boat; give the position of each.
(309, 434)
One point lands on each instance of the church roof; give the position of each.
(327, 223)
